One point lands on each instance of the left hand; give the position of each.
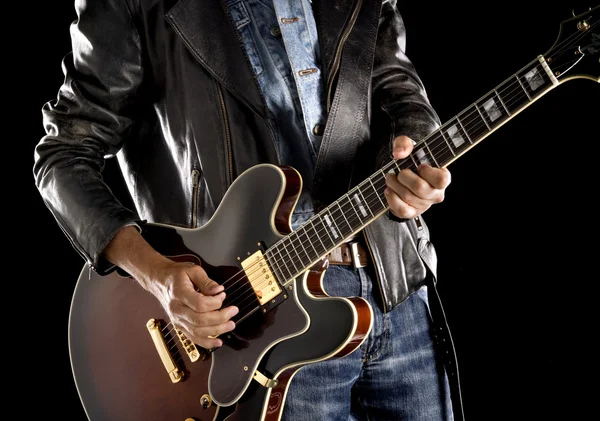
(409, 194)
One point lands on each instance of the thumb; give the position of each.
(202, 282)
(403, 146)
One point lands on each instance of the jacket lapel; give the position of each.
(331, 17)
(209, 34)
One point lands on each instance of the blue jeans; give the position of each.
(393, 375)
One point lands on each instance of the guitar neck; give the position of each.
(309, 243)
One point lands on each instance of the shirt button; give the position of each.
(275, 31)
(318, 130)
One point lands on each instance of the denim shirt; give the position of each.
(280, 40)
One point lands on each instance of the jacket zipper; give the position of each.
(227, 134)
(216, 78)
(338, 54)
(195, 189)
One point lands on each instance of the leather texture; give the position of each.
(164, 87)
(184, 120)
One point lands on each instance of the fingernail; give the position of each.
(234, 311)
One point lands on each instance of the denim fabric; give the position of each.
(393, 375)
(280, 39)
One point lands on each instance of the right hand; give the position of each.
(190, 298)
(192, 301)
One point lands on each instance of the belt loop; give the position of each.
(355, 255)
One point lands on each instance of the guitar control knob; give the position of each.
(205, 401)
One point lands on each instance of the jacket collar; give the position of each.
(209, 34)
(208, 31)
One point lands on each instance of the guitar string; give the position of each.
(516, 86)
(504, 95)
(395, 162)
(509, 101)
(375, 184)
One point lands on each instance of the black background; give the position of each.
(516, 235)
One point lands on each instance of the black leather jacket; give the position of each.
(164, 85)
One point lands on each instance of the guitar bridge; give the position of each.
(174, 372)
(193, 353)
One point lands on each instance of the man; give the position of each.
(190, 94)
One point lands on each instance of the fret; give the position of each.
(459, 138)
(305, 239)
(303, 260)
(281, 259)
(502, 102)
(345, 226)
(316, 234)
(289, 256)
(412, 158)
(440, 148)
(423, 155)
(272, 261)
(464, 131)
(533, 79)
(449, 146)
(326, 240)
(522, 86)
(482, 117)
(376, 194)
(292, 255)
(514, 96)
(474, 124)
(492, 109)
(348, 204)
(403, 164)
(332, 227)
(431, 154)
(362, 203)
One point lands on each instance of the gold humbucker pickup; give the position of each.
(261, 278)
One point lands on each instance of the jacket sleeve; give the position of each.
(400, 105)
(88, 122)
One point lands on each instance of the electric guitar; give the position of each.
(130, 364)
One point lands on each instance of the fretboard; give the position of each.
(293, 254)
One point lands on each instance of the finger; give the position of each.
(207, 336)
(409, 186)
(202, 282)
(186, 294)
(398, 207)
(213, 316)
(206, 341)
(194, 319)
(213, 331)
(403, 146)
(208, 295)
(402, 200)
(438, 178)
(421, 190)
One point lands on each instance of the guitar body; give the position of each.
(123, 373)
(130, 364)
